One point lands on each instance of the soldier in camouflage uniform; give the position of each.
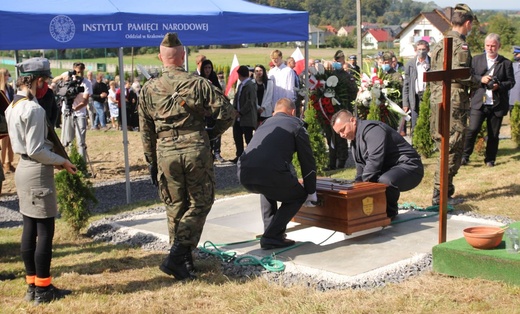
(172, 112)
(462, 19)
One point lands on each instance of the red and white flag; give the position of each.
(300, 61)
(233, 75)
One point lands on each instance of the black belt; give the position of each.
(176, 133)
(26, 157)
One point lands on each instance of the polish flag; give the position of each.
(233, 75)
(300, 61)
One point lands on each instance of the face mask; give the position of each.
(422, 54)
(517, 58)
(385, 67)
(336, 66)
(10, 80)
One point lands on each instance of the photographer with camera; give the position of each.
(490, 101)
(74, 92)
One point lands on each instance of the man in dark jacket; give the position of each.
(266, 168)
(382, 155)
(490, 101)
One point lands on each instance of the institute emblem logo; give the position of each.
(62, 28)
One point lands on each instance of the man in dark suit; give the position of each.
(266, 168)
(490, 101)
(245, 103)
(382, 155)
(413, 85)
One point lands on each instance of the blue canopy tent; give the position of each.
(66, 24)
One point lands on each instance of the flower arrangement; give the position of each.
(378, 97)
(330, 91)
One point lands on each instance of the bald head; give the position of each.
(171, 55)
(286, 106)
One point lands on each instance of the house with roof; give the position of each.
(429, 26)
(316, 36)
(344, 31)
(377, 39)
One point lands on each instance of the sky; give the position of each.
(480, 4)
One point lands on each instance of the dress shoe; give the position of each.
(490, 163)
(268, 243)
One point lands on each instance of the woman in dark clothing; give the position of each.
(207, 71)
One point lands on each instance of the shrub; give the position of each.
(74, 193)
(422, 139)
(317, 140)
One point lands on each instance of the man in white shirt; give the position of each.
(74, 107)
(413, 84)
(283, 78)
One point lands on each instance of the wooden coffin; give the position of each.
(346, 206)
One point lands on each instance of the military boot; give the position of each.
(188, 260)
(175, 263)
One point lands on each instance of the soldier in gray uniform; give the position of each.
(172, 112)
(34, 179)
(266, 168)
(382, 155)
(462, 19)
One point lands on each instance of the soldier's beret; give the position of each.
(171, 40)
(339, 54)
(516, 49)
(352, 57)
(35, 66)
(464, 9)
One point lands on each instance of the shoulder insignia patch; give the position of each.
(464, 47)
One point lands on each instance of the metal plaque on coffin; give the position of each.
(346, 206)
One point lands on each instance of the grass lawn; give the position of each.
(108, 278)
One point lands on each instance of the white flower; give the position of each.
(385, 91)
(329, 93)
(332, 81)
(385, 82)
(395, 108)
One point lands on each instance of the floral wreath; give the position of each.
(378, 97)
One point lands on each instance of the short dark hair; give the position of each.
(243, 70)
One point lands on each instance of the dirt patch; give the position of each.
(107, 156)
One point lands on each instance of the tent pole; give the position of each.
(306, 75)
(124, 126)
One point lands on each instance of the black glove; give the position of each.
(153, 173)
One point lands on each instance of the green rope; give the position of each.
(434, 209)
(224, 256)
(269, 263)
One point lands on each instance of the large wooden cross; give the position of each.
(446, 76)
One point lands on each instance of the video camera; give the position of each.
(70, 88)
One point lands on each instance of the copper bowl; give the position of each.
(483, 237)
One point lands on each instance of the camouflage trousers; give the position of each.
(187, 188)
(458, 125)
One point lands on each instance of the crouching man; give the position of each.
(266, 168)
(381, 155)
